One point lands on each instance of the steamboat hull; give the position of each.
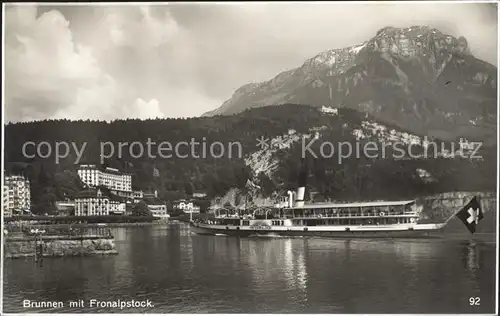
(434, 231)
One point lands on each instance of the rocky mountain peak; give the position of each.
(417, 40)
(414, 41)
(418, 77)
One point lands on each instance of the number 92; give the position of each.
(474, 301)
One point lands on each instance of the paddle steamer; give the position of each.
(291, 217)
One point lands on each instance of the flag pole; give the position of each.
(454, 214)
(449, 218)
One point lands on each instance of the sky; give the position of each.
(111, 62)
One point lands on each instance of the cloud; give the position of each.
(50, 76)
(179, 60)
(147, 110)
(45, 70)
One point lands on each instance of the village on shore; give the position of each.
(107, 192)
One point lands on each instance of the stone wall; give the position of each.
(438, 208)
(59, 246)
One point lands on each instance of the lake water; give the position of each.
(183, 273)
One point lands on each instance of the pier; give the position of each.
(39, 241)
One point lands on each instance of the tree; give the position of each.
(189, 188)
(43, 178)
(141, 209)
(178, 176)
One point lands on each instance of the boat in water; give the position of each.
(290, 217)
(372, 219)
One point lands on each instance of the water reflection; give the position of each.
(295, 268)
(188, 250)
(184, 273)
(408, 251)
(471, 256)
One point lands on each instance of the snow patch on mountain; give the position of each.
(356, 49)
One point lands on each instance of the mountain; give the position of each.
(418, 77)
(287, 129)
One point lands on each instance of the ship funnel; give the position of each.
(290, 198)
(300, 197)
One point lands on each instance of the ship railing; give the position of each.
(405, 215)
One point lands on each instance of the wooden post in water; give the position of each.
(81, 241)
(36, 248)
(40, 248)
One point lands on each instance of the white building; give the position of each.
(7, 203)
(123, 194)
(116, 207)
(65, 207)
(199, 195)
(94, 203)
(111, 178)
(16, 195)
(186, 207)
(137, 196)
(158, 210)
(157, 207)
(149, 195)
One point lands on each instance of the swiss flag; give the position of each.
(471, 214)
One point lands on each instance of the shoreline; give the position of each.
(99, 225)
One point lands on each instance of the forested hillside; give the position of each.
(274, 169)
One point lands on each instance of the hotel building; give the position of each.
(111, 178)
(16, 195)
(93, 203)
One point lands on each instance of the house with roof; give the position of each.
(186, 206)
(92, 202)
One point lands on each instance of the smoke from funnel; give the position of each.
(303, 173)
